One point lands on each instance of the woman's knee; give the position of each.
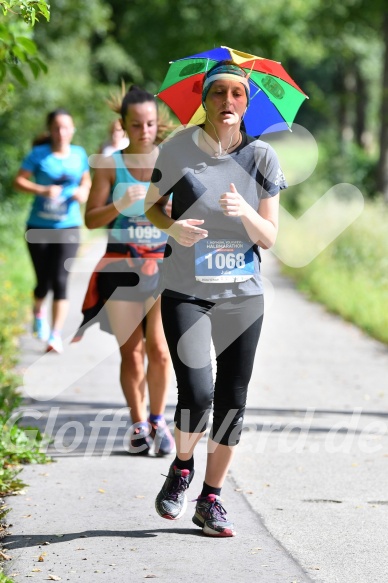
(41, 290)
(227, 426)
(158, 354)
(60, 288)
(192, 420)
(195, 400)
(132, 358)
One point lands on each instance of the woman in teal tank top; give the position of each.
(127, 278)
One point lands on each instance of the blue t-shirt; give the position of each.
(47, 168)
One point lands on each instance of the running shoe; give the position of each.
(55, 343)
(211, 516)
(163, 440)
(171, 502)
(140, 441)
(40, 328)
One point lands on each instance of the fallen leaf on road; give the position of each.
(27, 516)
(4, 556)
(238, 489)
(150, 576)
(139, 496)
(36, 570)
(40, 559)
(54, 578)
(101, 491)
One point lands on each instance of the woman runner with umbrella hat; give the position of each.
(225, 198)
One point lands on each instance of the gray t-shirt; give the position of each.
(196, 182)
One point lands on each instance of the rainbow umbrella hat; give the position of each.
(275, 97)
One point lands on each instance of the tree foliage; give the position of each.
(18, 51)
(29, 10)
(333, 50)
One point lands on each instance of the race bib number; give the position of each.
(54, 209)
(223, 261)
(138, 231)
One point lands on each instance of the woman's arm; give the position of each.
(81, 193)
(261, 225)
(97, 212)
(185, 232)
(155, 209)
(23, 183)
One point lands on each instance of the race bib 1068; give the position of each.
(223, 261)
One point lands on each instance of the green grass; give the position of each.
(351, 276)
(5, 579)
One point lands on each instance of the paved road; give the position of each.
(307, 489)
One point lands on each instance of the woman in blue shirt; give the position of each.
(57, 174)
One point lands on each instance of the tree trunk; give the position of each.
(345, 91)
(382, 172)
(361, 103)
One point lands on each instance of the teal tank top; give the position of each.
(132, 226)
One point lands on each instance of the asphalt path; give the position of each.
(307, 489)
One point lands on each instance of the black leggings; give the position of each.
(234, 325)
(49, 249)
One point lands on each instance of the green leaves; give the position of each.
(29, 10)
(28, 46)
(18, 50)
(18, 74)
(15, 51)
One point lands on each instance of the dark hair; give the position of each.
(53, 114)
(45, 137)
(119, 103)
(135, 95)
